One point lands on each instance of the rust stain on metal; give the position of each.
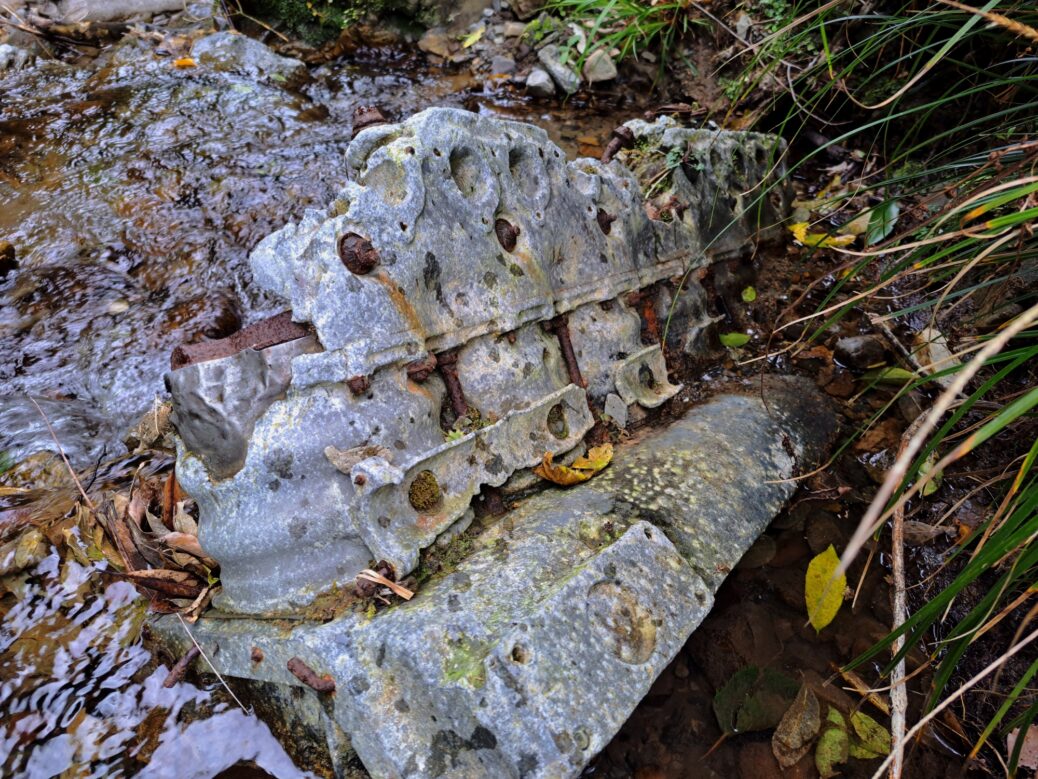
(358, 384)
(560, 326)
(447, 364)
(419, 370)
(308, 676)
(357, 254)
(276, 330)
(620, 138)
(507, 234)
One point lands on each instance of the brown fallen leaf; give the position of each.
(798, 729)
(184, 542)
(175, 584)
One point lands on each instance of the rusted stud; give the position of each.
(276, 330)
(645, 302)
(357, 254)
(365, 116)
(560, 326)
(620, 138)
(419, 370)
(447, 364)
(605, 220)
(257, 655)
(507, 233)
(308, 676)
(176, 674)
(360, 479)
(358, 384)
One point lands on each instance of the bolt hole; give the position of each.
(409, 149)
(437, 152)
(520, 654)
(557, 422)
(646, 377)
(648, 534)
(403, 227)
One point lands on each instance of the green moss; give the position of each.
(464, 662)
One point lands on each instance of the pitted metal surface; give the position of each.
(466, 270)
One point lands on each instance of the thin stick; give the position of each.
(61, 451)
(209, 662)
(898, 689)
(994, 666)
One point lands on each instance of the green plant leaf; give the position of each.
(734, 340)
(749, 295)
(753, 699)
(891, 375)
(935, 482)
(833, 745)
(473, 37)
(870, 739)
(882, 221)
(823, 590)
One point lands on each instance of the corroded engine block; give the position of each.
(472, 300)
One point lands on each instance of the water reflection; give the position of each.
(81, 696)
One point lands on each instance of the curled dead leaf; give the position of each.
(583, 467)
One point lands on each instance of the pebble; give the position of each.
(858, 352)
(435, 41)
(599, 66)
(514, 29)
(539, 83)
(562, 74)
(502, 65)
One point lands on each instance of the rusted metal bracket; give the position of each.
(276, 330)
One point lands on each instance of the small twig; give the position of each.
(176, 673)
(209, 662)
(61, 451)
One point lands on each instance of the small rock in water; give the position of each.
(599, 66)
(502, 65)
(8, 259)
(435, 41)
(235, 53)
(539, 83)
(562, 74)
(13, 58)
(860, 351)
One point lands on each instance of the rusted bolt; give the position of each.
(447, 363)
(357, 254)
(560, 326)
(360, 479)
(507, 233)
(358, 384)
(419, 370)
(257, 655)
(365, 116)
(424, 493)
(620, 138)
(276, 330)
(605, 220)
(308, 676)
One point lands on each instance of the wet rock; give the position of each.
(821, 531)
(235, 53)
(598, 67)
(539, 83)
(14, 58)
(436, 41)
(562, 74)
(502, 65)
(859, 352)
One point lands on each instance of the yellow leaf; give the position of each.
(583, 468)
(184, 62)
(596, 459)
(820, 240)
(822, 591)
(473, 37)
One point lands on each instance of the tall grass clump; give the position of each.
(939, 103)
